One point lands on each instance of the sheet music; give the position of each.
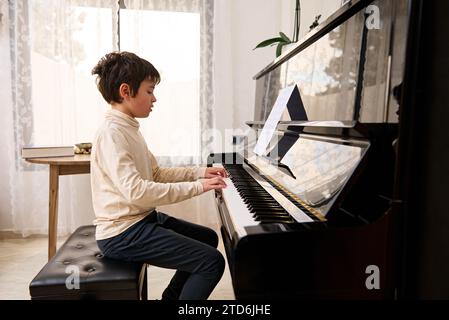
(273, 119)
(326, 123)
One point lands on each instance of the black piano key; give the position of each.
(254, 208)
(262, 209)
(270, 212)
(260, 200)
(272, 216)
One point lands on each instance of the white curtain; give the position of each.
(49, 97)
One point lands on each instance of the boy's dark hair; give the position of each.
(116, 68)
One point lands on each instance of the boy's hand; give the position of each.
(212, 172)
(213, 183)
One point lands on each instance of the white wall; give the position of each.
(240, 26)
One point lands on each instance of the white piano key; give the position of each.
(239, 212)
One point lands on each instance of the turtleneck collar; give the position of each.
(121, 118)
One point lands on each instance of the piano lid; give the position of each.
(313, 169)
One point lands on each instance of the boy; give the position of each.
(127, 185)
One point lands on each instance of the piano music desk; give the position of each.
(59, 166)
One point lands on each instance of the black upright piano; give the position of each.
(319, 212)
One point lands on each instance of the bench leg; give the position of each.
(143, 283)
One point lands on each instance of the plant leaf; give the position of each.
(284, 36)
(279, 49)
(269, 42)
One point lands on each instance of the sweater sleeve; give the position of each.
(117, 161)
(161, 174)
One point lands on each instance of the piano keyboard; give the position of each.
(251, 201)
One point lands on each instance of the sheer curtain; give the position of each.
(49, 97)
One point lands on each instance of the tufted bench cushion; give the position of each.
(99, 277)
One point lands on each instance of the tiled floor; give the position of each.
(21, 259)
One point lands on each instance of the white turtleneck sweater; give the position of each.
(127, 183)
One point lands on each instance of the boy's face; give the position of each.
(141, 104)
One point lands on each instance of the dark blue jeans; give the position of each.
(167, 242)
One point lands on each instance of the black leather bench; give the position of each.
(99, 277)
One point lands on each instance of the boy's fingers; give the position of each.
(219, 182)
(219, 172)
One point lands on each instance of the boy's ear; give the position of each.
(124, 90)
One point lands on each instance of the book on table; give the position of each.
(47, 151)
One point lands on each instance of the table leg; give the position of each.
(53, 210)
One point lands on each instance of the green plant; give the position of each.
(284, 39)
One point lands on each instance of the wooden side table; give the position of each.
(60, 166)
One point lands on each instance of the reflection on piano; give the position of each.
(313, 216)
